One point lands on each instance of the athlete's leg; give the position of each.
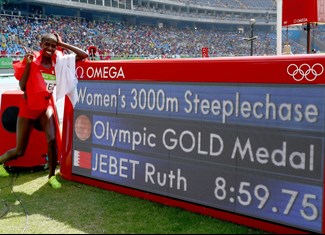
(24, 130)
(47, 121)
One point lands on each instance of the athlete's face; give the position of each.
(49, 45)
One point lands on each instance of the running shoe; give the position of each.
(3, 171)
(54, 182)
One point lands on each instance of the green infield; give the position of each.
(29, 205)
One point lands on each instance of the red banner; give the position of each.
(205, 52)
(300, 11)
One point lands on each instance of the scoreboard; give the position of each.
(240, 136)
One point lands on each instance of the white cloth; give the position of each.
(65, 72)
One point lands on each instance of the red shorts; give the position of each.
(26, 112)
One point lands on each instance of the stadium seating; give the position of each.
(123, 40)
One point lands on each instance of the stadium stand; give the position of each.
(127, 36)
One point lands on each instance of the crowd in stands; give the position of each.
(243, 4)
(207, 9)
(123, 40)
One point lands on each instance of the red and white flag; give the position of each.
(82, 159)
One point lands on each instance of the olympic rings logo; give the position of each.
(305, 71)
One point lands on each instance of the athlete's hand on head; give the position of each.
(58, 38)
(28, 55)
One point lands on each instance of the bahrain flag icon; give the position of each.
(82, 159)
